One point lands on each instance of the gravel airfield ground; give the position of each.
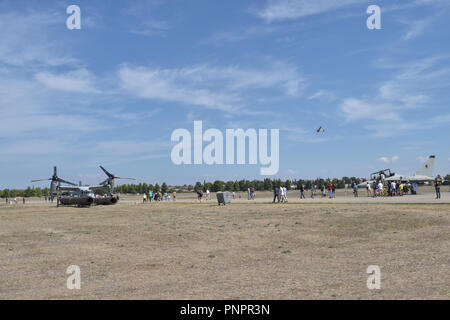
(314, 249)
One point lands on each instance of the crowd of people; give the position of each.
(280, 194)
(15, 201)
(385, 188)
(159, 196)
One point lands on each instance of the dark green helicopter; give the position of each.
(79, 195)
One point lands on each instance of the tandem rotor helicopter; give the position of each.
(73, 194)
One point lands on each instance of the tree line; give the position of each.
(27, 193)
(218, 185)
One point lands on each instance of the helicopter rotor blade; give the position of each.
(104, 182)
(66, 182)
(107, 173)
(41, 180)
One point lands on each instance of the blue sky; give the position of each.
(113, 92)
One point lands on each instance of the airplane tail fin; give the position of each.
(427, 167)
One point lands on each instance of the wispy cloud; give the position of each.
(277, 10)
(213, 87)
(80, 80)
(388, 159)
(151, 28)
(26, 40)
(244, 33)
(144, 13)
(396, 97)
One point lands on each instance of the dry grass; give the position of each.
(240, 251)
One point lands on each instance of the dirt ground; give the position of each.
(246, 250)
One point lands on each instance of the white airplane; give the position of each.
(424, 174)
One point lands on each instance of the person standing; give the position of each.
(200, 195)
(302, 192)
(285, 194)
(380, 189)
(355, 190)
(330, 190)
(312, 191)
(276, 194)
(437, 186)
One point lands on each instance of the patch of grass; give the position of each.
(286, 251)
(444, 292)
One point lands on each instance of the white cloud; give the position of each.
(80, 80)
(386, 113)
(130, 147)
(27, 40)
(151, 27)
(388, 159)
(33, 147)
(222, 88)
(143, 13)
(245, 33)
(277, 10)
(417, 27)
(358, 109)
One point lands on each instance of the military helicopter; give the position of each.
(55, 183)
(79, 195)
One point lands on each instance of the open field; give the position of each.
(245, 250)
